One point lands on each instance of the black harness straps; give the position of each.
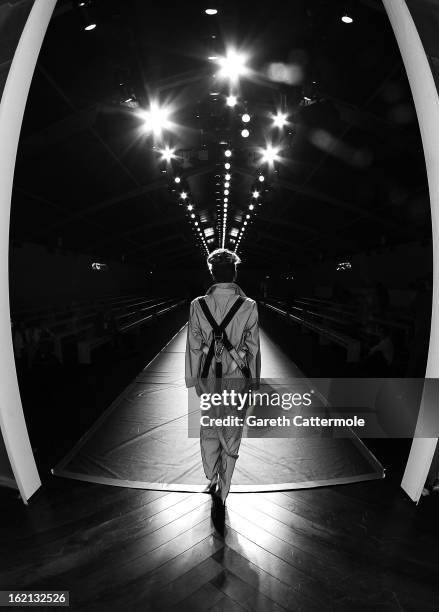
(221, 341)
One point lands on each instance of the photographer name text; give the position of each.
(281, 421)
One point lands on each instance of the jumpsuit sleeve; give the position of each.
(194, 347)
(251, 343)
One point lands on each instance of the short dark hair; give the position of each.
(222, 264)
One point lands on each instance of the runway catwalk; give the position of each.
(148, 438)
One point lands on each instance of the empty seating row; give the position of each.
(326, 334)
(85, 322)
(32, 316)
(144, 316)
(94, 324)
(399, 320)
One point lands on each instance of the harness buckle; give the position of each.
(219, 345)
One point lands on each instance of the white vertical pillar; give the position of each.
(12, 105)
(426, 101)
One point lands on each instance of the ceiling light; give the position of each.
(245, 117)
(255, 193)
(270, 154)
(212, 57)
(261, 178)
(226, 192)
(251, 207)
(155, 119)
(227, 166)
(245, 133)
(227, 184)
(190, 207)
(211, 11)
(233, 65)
(192, 216)
(177, 179)
(183, 195)
(231, 100)
(167, 154)
(228, 177)
(228, 153)
(226, 199)
(280, 119)
(346, 18)
(90, 26)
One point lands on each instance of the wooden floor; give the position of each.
(352, 547)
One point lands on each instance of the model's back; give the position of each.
(242, 330)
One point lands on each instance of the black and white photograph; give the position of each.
(219, 305)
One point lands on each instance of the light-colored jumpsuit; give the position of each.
(219, 444)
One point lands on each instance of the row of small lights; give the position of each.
(251, 208)
(226, 192)
(232, 66)
(185, 200)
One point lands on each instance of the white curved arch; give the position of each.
(426, 101)
(12, 105)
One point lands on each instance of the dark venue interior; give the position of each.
(141, 151)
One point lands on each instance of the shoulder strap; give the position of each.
(229, 316)
(205, 308)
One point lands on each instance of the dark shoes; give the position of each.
(218, 514)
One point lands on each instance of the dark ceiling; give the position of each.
(351, 174)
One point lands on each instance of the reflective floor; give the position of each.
(352, 547)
